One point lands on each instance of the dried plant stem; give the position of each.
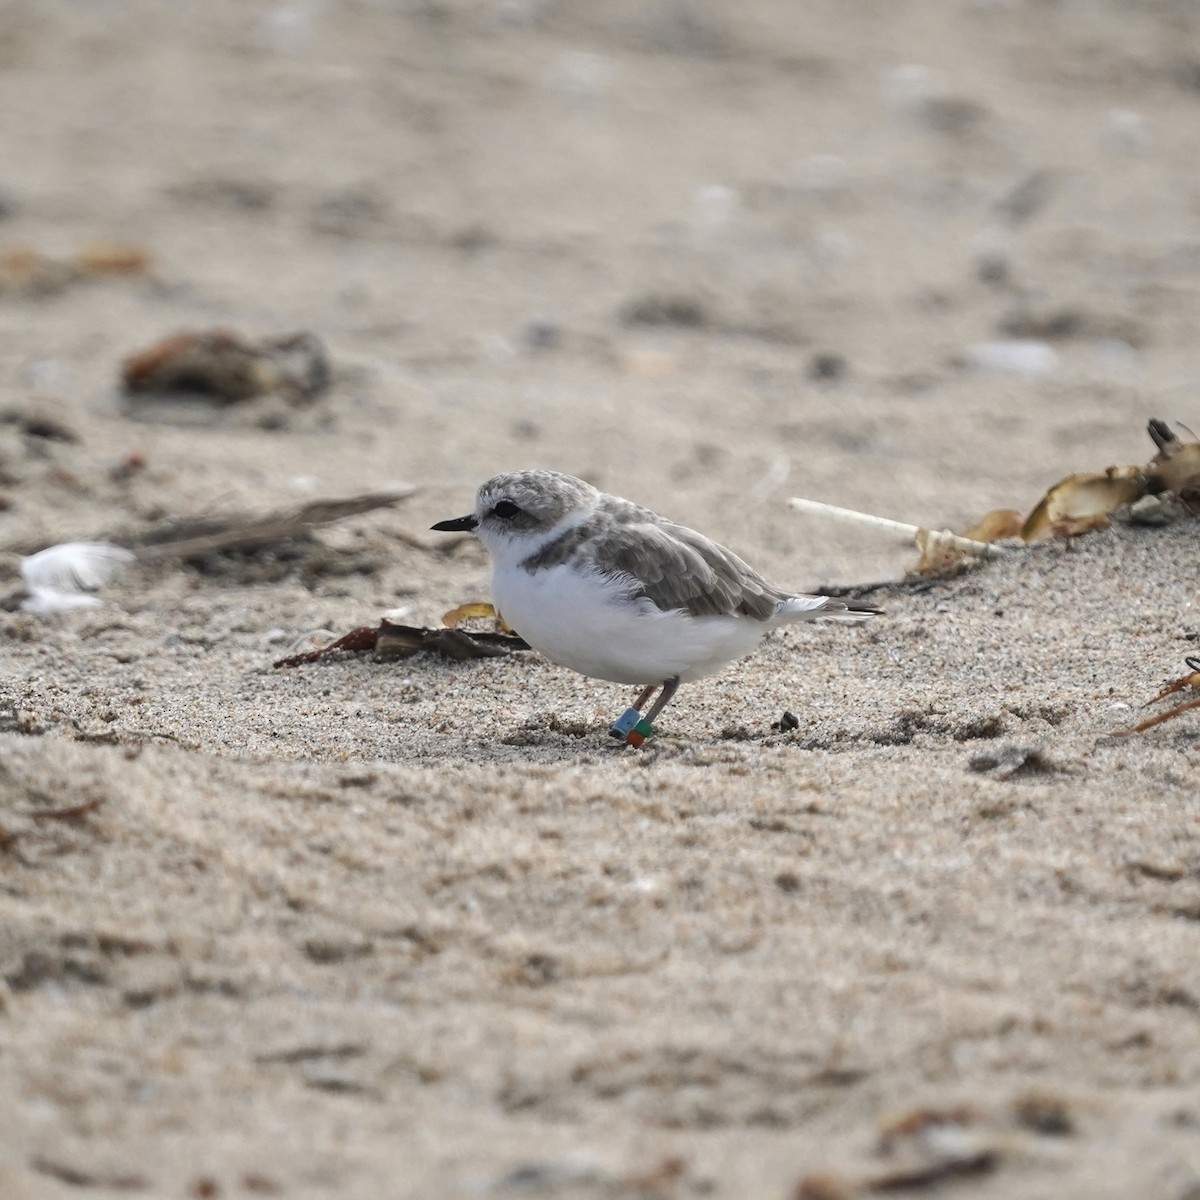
(943, 539)
(243, 532)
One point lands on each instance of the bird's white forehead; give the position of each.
(544, 496)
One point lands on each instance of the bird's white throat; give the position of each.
(508, 549)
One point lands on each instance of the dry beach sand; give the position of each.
(416, 929)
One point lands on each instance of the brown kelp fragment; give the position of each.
(996, 525)
(1083, 502)
(361, 638)
(403, 641)
(1075, 505)
(392, 641)
(227, 368)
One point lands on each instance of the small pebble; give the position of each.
(543, 335)
(827, 368)
(822, 174)
(1126, 132)
(832, 249)
(910, 85)
(714, 206)
(286, 29)
(1114, 354)
(1011, 356)
(582, 77)
(516, 14)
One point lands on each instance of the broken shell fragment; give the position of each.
(112, 258)
(466, 612)
(476, 611)
(66, 576)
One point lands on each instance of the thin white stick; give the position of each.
(943, 537)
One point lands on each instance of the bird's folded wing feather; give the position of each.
(676, 568)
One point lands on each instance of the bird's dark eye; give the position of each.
(506, 510)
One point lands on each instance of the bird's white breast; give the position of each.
(584, 620)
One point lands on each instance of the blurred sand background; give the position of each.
(416, 929)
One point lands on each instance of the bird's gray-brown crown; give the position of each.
(525, 502)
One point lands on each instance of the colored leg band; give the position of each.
(624, 723)
(631, 728)
(639, 733)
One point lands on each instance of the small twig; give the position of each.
(151, 734)
(76, 1177)
(908, 585)
(102, 737)
(1150, 722)
(74, 813)
(1192, 680)
(939, 540)
(276, 527)
(304, 1053)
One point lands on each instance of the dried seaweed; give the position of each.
(389, 641)
(226, 368)
(74, 812)
(1176, 466)
(28, 272)
(1083, 502)
(266, 549)
(250, 549)
(199, 537)
(1088, 500)
(1190, 680)
(78, 1177)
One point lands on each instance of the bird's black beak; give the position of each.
(456, 525)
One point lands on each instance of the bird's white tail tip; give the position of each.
(826, 608)
(849, 610)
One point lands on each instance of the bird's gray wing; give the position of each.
(677, 568)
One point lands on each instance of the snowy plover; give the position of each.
(616, 592)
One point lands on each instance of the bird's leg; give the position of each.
(627, 728)
(631, 727)
(669, 688)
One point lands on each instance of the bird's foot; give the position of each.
(631, 728)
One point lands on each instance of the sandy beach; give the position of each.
(418, 928)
